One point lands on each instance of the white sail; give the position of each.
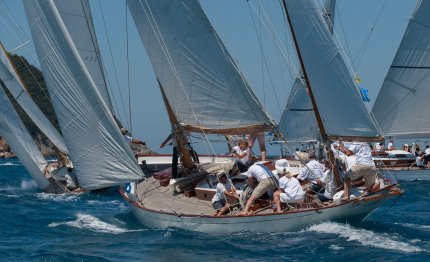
(100, 155)
(202, 83)
(402, 104)
(340, 107)
(21, 142)
(16, 87)
(298, 123)
(77, 18)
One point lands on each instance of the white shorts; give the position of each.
(291, 199)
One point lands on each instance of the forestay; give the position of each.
(402, 105)
(78, 20)
(17, 136)
(341, 109)
(100, 155)
(16, 87)
(202, 83)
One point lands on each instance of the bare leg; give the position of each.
(248, 204)
(277, 200)
(224, 210)
(346, 184)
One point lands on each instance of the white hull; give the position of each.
(353, 210)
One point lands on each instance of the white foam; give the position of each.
(10, 164)
(415, 225)
(365, 237)
(116, 203)
(58, 197)
(28, 184)
(336, 247)
(92, 223)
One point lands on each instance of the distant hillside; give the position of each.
(35, 84)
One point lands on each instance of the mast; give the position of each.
(314, 105)
(179, 133)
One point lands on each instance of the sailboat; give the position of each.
(401, 105)
(48, 177)
(183, 48)
(100, 155)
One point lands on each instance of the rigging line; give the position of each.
(128, 68)
(264, 65)
(273, 33)
(113, 62)
(157, 32)
(362, 49)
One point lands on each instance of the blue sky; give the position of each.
(233, 20)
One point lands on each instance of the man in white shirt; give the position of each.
(391, 145)
(130, 139)
(223, 188)
(241, 154)
(266, 182)
(364, 166)
(312, 172)
(290, 190)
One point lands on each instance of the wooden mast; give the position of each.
(314, 105)
(179, 137)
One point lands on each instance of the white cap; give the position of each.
(282, 166)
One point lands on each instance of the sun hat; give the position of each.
(303, 156)
(282, 166)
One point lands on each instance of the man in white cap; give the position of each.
(290, 190)
(266, 182)
(130, 139)
(312, 172)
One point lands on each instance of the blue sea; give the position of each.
(36, 226)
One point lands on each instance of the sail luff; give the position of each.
(16, 87)
(204, 87)
(21, 142)
(402, 103)
(100, 155)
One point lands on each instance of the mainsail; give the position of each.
(100, 155)
(16, 134)
(201, 81)
(342, 112)
(402, 104)
(16, 87)
(298, 122)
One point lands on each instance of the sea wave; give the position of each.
(365, 237)
(115, 203)
(416, 226)
(94, 224)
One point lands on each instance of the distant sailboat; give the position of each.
(100, 156)
(17, 88)
(183, 47)
(402, 103)
(50, 177)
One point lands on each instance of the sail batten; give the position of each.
(342, 112)
(100, 155)
(402, 102)
(202, 83)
